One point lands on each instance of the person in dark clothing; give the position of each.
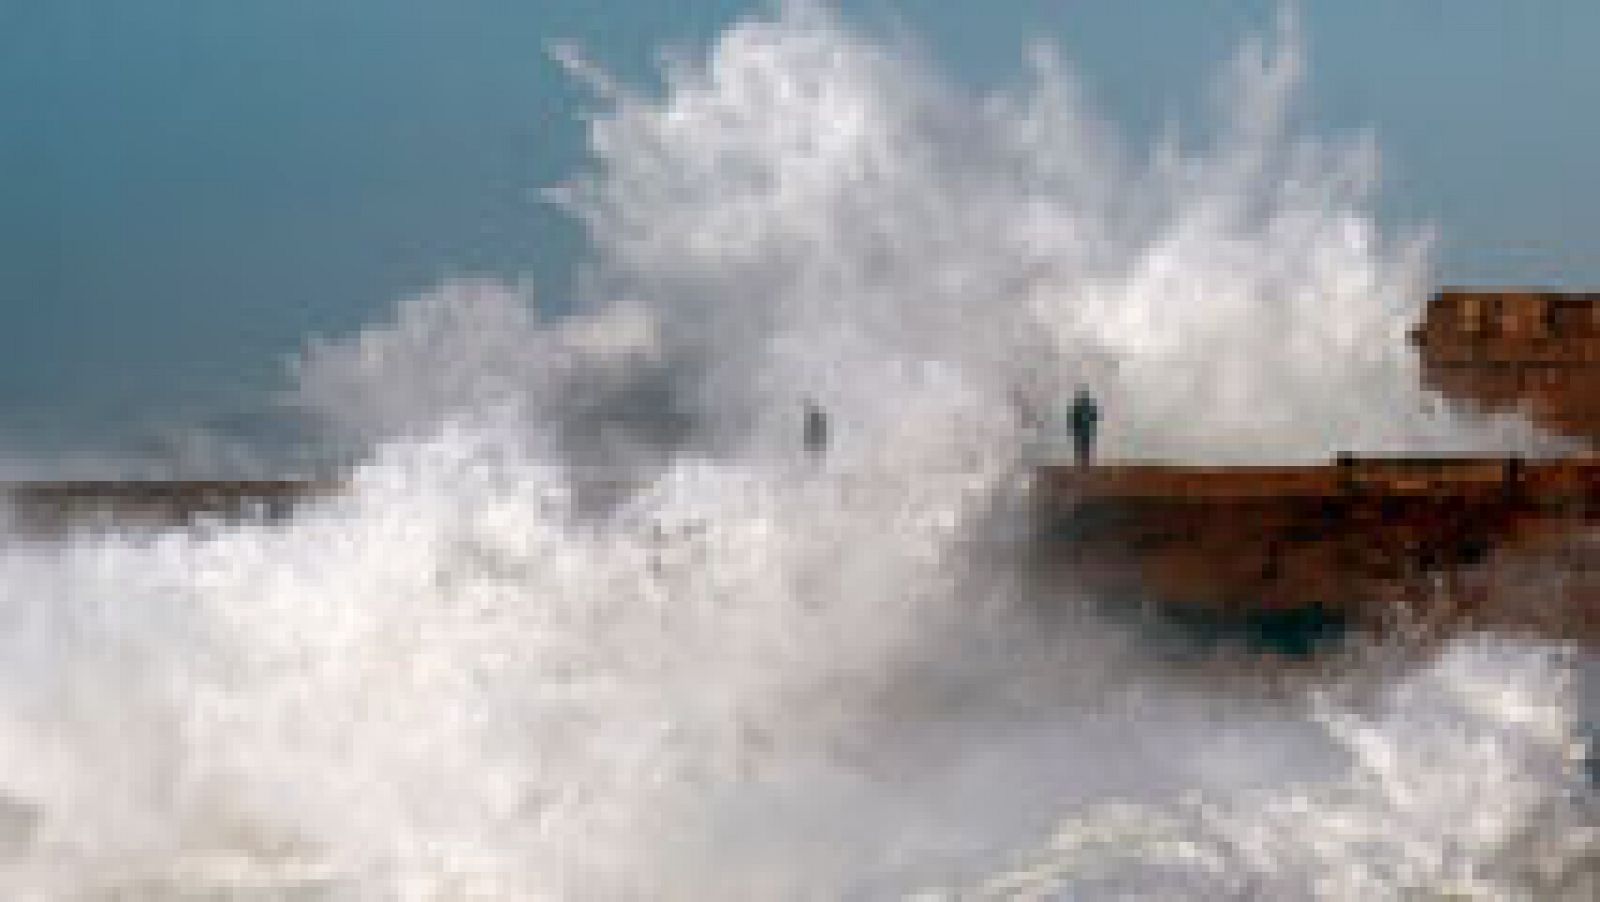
(1083, 417)
(816, 430)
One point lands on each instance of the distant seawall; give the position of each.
(52, 507)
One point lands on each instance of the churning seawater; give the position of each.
(585, 625)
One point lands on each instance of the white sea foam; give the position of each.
(1462, 781)
(742, 674)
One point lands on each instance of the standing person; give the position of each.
(1083, 417)
(816, 431)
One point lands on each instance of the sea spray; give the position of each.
(744, 673)
(1463, 781)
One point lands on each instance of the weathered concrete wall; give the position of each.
(1357, 538)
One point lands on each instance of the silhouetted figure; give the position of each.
(1083, 417)
(816, 431)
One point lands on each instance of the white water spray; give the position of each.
(743, 675)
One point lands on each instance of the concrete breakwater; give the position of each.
(1504, 543)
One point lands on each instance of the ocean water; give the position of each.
(587, 625)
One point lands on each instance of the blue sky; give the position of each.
(189, 187)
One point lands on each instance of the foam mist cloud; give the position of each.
(804, 211)
(805, 200)
(749, 675)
